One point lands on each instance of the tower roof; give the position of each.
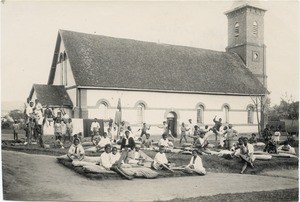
(238, 4)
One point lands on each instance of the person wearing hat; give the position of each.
(76, 150)
(195, 164)
(246, 154)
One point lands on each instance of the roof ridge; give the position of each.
(129, 39)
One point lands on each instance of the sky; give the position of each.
(29, 31)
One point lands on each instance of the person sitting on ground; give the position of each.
(76, 150)
(58, 143)
(253, 139)
(196, 134)
(201, 144)
(166, 130)
(237, 147)
(160, 160)
(16, 130)
(115, 155)
(165, 142)
(127, 145)
(135, 157)
(183, 132)
(130, 132)
(103, 141)
(195, 164)
(286, 148)
(105, 158)
(246, 154)
(270, 147)
(147, 143)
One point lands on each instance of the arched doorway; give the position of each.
(172, 123)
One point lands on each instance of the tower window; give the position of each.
(237, 29)
(255, 28)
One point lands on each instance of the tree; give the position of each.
(261, 106)
(17, 115)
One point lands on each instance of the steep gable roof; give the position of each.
(107, 62)
(54, 96)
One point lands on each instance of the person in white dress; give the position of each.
(195, 164)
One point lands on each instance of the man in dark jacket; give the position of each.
(127, 145)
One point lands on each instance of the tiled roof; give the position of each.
(54, 96)
(100, 61)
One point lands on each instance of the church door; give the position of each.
(172, 123)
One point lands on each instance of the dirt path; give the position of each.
(39, 177)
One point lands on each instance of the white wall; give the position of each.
(58, 71)
(159, 104)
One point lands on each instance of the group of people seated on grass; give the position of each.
(130, 154)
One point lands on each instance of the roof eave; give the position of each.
(172, 91)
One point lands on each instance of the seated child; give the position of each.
(201, 144)
(147, 143)
(195, 164)
(96, 139)
(286, 148)
(105, 158)
(270, 147)
(165, 142)
(103, 141)
(58, 143)
(253, 139)
(134, 157)
(76, 150)
(160, 160)
(115, 155)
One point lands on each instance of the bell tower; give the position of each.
(246, 36)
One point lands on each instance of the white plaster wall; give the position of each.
(183, 104)
(58, 71)
(72, 95)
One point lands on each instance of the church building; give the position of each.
(158, 82)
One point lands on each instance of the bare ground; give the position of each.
(40, 177)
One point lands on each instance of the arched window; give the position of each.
(140, 113)
(250, 112)
(103, 110)
(226, 113)
(200, 114)
(237, 29)
(254, 28)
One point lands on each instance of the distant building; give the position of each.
(158, 82)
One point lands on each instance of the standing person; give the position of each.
(183, 132)
(16, 130)
(95, 126)
(190, 128)
(246, 154)
(217, 126)
(57, 130)
(39, 129)
(29, 112)
(267, 133)
(63, 130)
(230, 134)
(277, 136)
(144, 129)
(76, 150)
(38, 108)
(26, 104)
(48, 115)
(195, 164)
(69, 132)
